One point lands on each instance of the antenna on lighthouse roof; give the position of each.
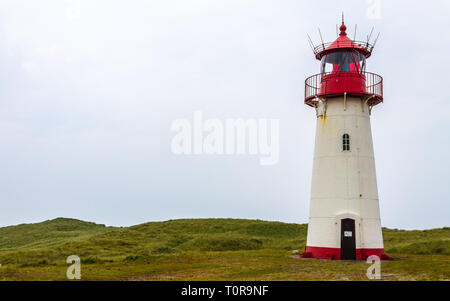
(356, 27)
(342, 17)
(375, 42)
(311, 44)
(369, 36)
(320, 34)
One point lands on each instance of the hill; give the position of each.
(202, 249)
(48, 233)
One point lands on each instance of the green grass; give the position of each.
(204, 249)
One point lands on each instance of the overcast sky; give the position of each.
(89, 89)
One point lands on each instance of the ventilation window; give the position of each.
(346, 142)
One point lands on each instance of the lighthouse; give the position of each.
(344, 222)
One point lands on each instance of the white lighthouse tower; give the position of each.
(344, 218)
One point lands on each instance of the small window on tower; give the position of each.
(346, 142)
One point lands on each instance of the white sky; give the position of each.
(89, 88)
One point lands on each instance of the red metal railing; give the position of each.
(373, 82)
(367, 47)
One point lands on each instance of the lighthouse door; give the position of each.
(348, 242)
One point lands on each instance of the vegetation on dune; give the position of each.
(436, 241)
(32, 243)
(200, 249)
(48, 233)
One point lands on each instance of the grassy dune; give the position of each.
(204, 249)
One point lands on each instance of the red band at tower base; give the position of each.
(335, 253)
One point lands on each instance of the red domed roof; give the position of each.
(343, 42)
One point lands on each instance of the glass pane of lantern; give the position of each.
(338, 59)
(362, 62)
(359, 62)
(327, 64)
(343, 61)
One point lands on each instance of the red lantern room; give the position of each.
(343, 71)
